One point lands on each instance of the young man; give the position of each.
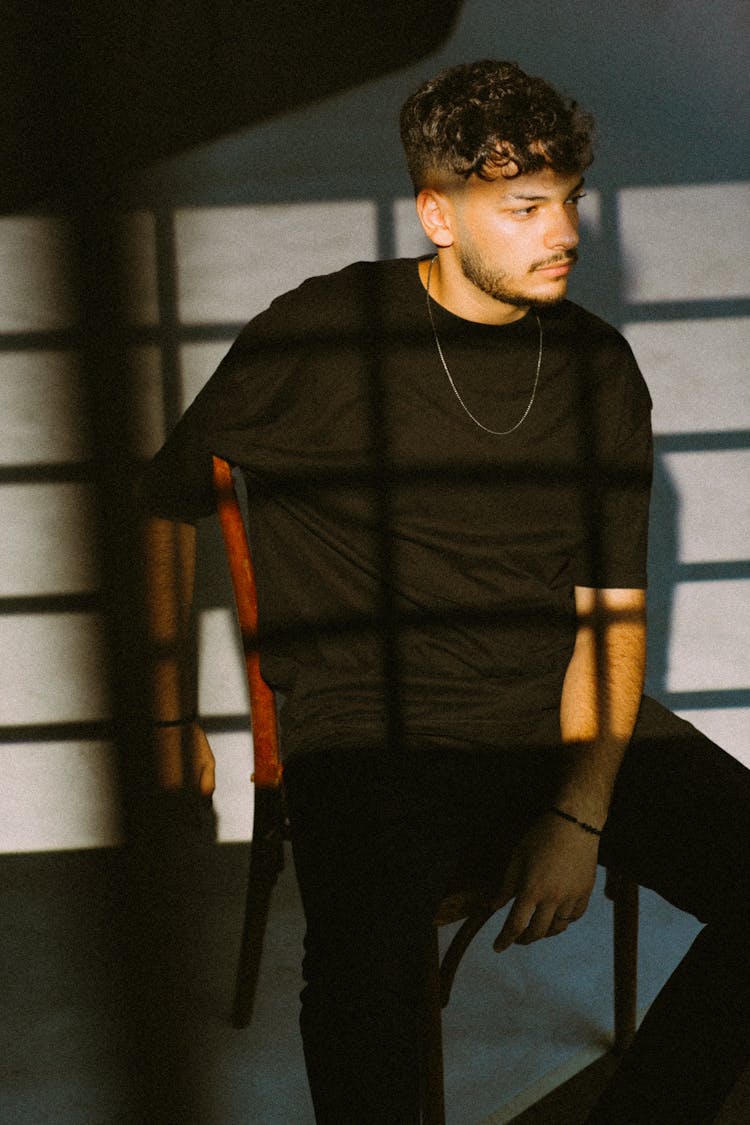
(448, 468)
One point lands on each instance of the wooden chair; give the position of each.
(270, 830)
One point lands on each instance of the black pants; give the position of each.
(379, 839)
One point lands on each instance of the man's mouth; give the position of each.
(557, 267)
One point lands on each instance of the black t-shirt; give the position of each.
(405, 557)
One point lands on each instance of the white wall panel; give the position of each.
(231, 261)
(710, 636)
(41, 407)
(57, 796)
(713, 490)
(222, 684)
(51, 671)
(233, 800)
(223, 691)
(697, 372)
(48, 545)
(685, 242)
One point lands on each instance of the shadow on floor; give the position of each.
(109, 1023)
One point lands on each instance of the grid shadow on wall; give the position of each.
(54, 711)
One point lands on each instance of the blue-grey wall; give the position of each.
(212, 236)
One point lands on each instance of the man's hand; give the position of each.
(204, 763)
(551, 876)
(178, 747)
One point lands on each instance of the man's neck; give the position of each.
(448, 287)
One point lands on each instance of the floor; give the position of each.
(116, 980)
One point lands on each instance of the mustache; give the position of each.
(558, 260)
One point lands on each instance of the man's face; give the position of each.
(514, 240)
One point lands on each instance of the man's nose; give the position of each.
(563, 231)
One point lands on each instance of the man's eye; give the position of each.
(576, 199)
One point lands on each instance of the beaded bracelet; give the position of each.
(175, 722)
(574, 820)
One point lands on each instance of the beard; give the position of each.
(498, 286)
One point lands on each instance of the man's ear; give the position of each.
(436, 216)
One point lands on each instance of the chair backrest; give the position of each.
(267, 765)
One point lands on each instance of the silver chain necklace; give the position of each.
(522, 419)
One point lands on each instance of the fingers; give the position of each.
(206, 779)
(561, 919)
(204, 764)
(516, 924)
(526, 922)
(184, 758)
(529, 921)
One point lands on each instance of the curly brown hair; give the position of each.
(490, 119)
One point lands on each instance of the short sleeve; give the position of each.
(618, 472)
(245, 394)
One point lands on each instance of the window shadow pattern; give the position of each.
(147, 926)
(168, 336)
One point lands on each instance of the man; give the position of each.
(448, 468)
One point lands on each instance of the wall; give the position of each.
(212, 236)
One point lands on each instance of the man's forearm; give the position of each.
(182, 753)
(170, 572)
(601, 696)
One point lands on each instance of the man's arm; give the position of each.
(552, 871)
(169, 551)
(601, 696)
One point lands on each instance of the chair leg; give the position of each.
(432, 1096)
(624, 895)
(266, 861)
(458, 946)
